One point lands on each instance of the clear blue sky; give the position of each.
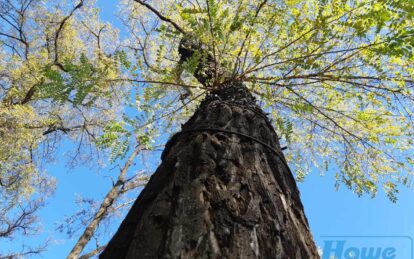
(378, 222)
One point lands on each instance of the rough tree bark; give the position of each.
(223, 190)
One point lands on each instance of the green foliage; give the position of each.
(191, 64)
(116, 138)
(336, 74)
(284, 128)
(122, 57)
(77, 80)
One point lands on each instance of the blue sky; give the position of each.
(377, 222)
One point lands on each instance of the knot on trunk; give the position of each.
(188, 46)
(207, 70)
(191, 50)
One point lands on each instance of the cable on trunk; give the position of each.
(238, 134)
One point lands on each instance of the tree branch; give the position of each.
(60, 28)
(162, 17)
(93, 252)
(107, 202)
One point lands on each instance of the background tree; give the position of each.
(64, 76)
(58, 68)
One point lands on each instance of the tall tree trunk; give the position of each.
(223, 190)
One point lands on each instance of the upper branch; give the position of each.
(162, 17)
(60, 28)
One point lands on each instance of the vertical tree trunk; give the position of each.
(223, 190)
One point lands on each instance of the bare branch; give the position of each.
(27, 251)
(162, 17)
(107, 202)
(93, 252)
(22, 222)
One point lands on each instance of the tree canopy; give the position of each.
(335, 76)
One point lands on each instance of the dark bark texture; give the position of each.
(223, 190)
